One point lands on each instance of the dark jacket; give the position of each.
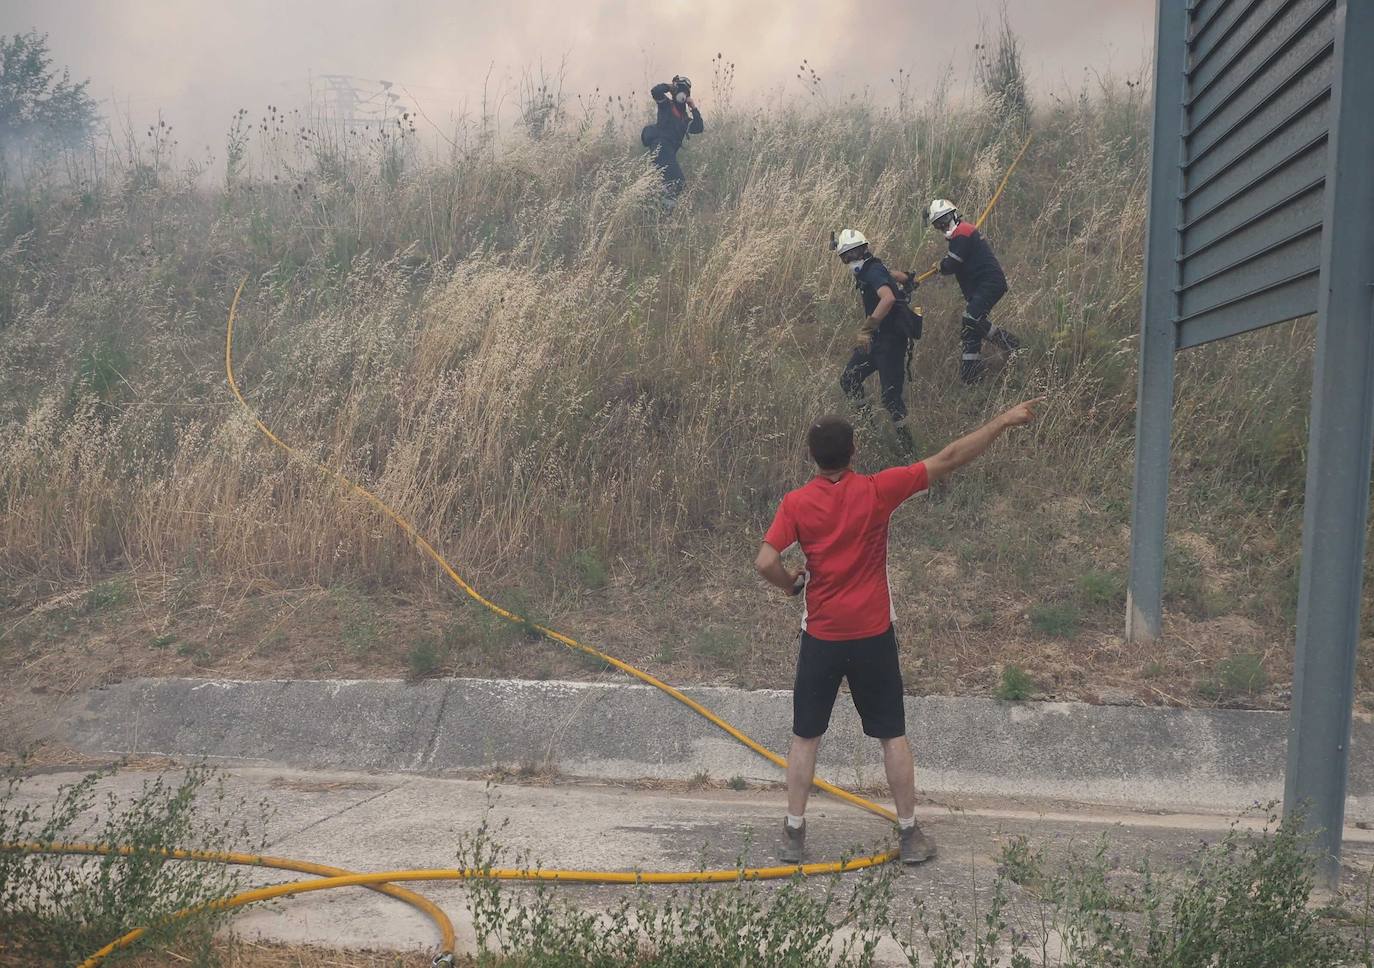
(868, 280)
(674, 123)
(971, 261)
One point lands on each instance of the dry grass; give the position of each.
(593, 407)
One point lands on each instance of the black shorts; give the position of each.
(875, 682)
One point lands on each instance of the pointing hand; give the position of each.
(1023, 413)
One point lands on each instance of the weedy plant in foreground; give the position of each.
(1245, 902)
(58, 910)
(797, 924)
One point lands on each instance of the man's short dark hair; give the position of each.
(831, 441)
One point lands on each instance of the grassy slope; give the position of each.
(593, 408)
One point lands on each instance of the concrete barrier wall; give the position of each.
(1126, 755)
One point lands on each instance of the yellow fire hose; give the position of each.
(327, 874)
(384, 881)
(987, 209)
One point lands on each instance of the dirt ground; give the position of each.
(711, 625)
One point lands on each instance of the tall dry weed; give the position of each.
(519, 349)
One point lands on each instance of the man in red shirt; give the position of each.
(840, 520)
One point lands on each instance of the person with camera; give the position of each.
(678, 117)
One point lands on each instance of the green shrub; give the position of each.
(424, 657)
(488, 632)
(1243, 673)
(1059, 619)
(66, 908)
(590, 570)
(1184, 584)
(1015, 684)
(1102, 589)
(1245, 903)
(105, 596)
(795, 924)
(720, 647)
(1019, 862)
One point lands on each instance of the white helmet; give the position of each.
(940, 208)
(849, 239)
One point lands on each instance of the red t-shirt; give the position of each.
(842, 528)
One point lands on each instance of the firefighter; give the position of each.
(678, 117)
(889, 331)
(971, 262)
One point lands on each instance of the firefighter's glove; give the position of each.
(864, 341)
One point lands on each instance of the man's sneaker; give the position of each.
(971, 370)
(793, 843)
(1004, 340)
(915, 845)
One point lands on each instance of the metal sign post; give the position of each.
(1154, 412)
(1340, 442)
(1261, 211)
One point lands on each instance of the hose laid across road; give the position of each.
(385, 881)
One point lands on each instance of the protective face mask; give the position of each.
(856, 265)
(681, 97)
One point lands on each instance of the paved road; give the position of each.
(379, 821)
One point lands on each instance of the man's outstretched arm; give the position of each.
(769, 565)
(971, 446)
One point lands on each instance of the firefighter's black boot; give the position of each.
(1005, 340)
(971, 333)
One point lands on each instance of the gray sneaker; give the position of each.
(916, 847)
(793, 843)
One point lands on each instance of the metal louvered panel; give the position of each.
(1257, 97)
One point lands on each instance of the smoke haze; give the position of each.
(198, 62)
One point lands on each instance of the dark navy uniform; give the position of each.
(971, 262)
(674, 124)
(887, 353)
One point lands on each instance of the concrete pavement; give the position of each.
(1129, 756)
(381, 821)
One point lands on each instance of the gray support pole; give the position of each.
(1336, 503)
(1158, 337)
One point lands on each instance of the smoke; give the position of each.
(198, 63)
